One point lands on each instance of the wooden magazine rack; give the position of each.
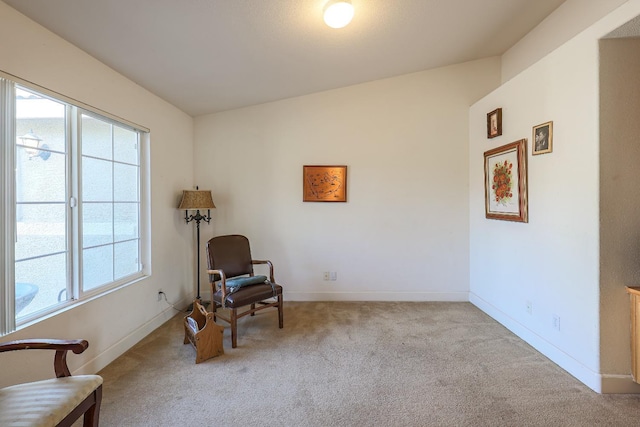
(203, 333)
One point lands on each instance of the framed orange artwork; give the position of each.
(505, 182)
(324, 183)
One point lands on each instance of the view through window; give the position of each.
(42, 247)
(77, 192)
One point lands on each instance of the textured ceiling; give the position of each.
(630, 29)
(206, 56)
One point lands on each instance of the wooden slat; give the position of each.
(635, 332)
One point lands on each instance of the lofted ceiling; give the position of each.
(206, 56)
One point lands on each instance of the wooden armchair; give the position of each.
(230, 264)
(53, 402)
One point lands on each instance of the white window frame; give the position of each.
(74, 110)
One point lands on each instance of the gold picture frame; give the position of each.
(494, 123)
(324, 183)
(542, 139)
(505, 182)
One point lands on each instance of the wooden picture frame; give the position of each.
(494, 123)
(324, 183)
(542, 138)
(505, 182)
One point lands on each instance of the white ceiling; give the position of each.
(630, 29)
(206, 56)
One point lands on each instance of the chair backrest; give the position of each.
(230, 254)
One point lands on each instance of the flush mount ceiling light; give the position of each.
(338, 13)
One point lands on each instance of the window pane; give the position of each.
(111, 203)
(41, 118)
(96, 138)
(38, 180)
(126, 257)
(125, 145)
(97, 266)
(125, 183)
(40, 230)
(126, 221)
(97, 181)
(97, 224)
(41, 267)
(40, 283)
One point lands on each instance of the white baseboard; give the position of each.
(119, 348)
(376, 296)
(606, 384)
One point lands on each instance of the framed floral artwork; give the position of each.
(494, 123)
(542, 138)
(505, 182)
(324, 183)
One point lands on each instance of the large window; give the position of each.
(74, 216)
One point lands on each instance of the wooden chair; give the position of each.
(54, 402)
(230, 264)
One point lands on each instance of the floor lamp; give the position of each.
(196, 201)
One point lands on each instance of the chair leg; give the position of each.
(214, 308)
(92, 416)
(253, 307)
(234, 327)
(280, 319)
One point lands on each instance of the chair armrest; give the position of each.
(60, 346)
(223, 282)
(77, 346)
(258, 261)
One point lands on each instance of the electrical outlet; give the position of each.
(556, 322)
(333, 275)
(326, 275)
(160, 293)
(529, 307)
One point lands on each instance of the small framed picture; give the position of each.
(505, 182)
(494, 123)
(542, 138)
(324, 183)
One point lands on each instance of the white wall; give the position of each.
(114, 322)
(554, 260)
(572, 17)
(403, 233)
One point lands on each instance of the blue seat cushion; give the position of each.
(239, 282)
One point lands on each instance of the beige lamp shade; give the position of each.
(196, 200)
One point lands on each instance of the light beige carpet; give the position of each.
(355, 364)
